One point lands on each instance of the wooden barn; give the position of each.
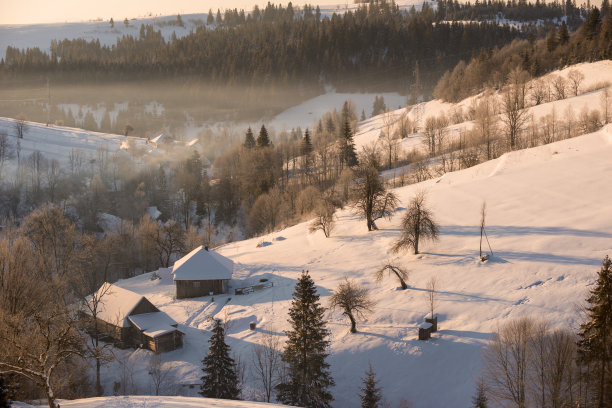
(202, 272)
(131, 320)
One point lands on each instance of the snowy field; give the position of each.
(549, 225)
(155, 402)
(58, 142)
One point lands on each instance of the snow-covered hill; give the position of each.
(595, 76)
(58, 142)
(549, 225)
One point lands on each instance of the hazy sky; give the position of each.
(54, 11)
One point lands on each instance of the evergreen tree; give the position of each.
(347, 149)
(595, 336)
(480, 400)
(263, 140)
(210, 19)
(308, 376)
(306, 146)
(563, 34)
(249, 140)
(370, 396)
(4, 393)
(220, 379)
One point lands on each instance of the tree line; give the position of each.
(591, 42)
(529, 363)
(278, 45)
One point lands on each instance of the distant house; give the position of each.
(130, 320)
(202, 272)
(161, 140)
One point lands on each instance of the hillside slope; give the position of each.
(549, 226)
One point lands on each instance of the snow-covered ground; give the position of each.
(307, 114)
(58, 142)
(549, 225)
(369, 131)
(156, 402)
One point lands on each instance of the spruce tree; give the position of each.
(480, 400)
(308, 376)
(5, 402)
(563, 34)
(220, 379)
(249, 140)
(263, 140)
(595, 335)
(306, 146)
(370, 396)
(347, 149)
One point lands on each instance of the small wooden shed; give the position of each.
(131, 320)
(202, 272)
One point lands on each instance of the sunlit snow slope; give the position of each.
(549, 223)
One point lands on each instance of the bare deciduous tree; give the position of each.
(432, 295)
(506, 362)
(36, 342)
(486, 123)
(529, 364)
(6, 150)
(158, 372)
(605, 100)
(324, 218)
(354, 301)
(418, 224)
(400, 272)
(20, 126)
(575, 78)
(267, 363)
(559, 85)
(514, 116)
(371, 199)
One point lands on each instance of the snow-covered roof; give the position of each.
(115, 304)
(162, 138)
(203, 264)
(154, 324)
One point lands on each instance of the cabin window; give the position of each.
(196, 284)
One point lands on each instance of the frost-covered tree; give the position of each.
(370, 393)
(418, 224)
(220, 379)
(595, 335)
(308, 377)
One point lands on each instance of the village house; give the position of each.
(131, 320)
(202, 272)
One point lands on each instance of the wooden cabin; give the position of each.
(201, 273)
(131, 320)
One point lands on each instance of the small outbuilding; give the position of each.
(202, 272)
(131, 320)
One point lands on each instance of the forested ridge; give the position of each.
(279, 44)
(490, 69)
